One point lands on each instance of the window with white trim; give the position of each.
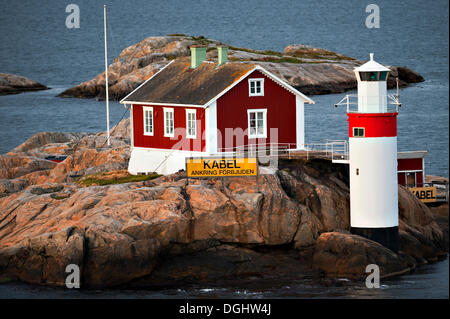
(191, 129)
(148, 120)
(256, 87)
(168, 122)
(257, 123)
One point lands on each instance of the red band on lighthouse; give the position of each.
(374, 124)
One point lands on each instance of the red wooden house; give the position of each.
(411, 168)
(193, 107)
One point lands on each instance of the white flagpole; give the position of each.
(106, 78)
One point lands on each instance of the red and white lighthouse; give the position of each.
(373, 158)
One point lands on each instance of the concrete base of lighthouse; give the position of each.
(388, 236)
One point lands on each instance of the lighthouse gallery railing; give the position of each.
(351, 101)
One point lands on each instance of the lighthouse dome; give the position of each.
(371, 65)
(372, 71)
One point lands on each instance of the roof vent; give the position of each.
(222, 55)
(198, 55)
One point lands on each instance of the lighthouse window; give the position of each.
(369, 76)
(148, 120)
(257, 127)
(168, 122)
(190, 124)
(256, 87)
(358, 132)
(383, 75)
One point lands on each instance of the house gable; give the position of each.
(273, 77)
(278, 104)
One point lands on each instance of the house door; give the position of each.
(411, 179)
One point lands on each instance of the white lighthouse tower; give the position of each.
(373, 157)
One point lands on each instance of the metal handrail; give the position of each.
(257, 149)
(351, 101)
(331, 149)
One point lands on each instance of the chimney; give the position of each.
(198, 55)
(222, 55)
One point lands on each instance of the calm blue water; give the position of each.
(428, 282)
(35, 43)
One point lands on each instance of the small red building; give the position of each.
(411, 168)
(193, 107)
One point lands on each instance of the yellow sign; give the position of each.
(425, 194)
(221, 166)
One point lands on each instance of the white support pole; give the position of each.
(106, 78)
(423, 171)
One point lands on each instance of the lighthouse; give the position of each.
(373, 157)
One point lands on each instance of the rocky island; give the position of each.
(14, 84)
(146, 231)
(310, 70)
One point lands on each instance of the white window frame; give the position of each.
(264, 111)
(364, 132)
(415, 177)
(144, 110)
(190, 111)
(261, 80)
(169, 110)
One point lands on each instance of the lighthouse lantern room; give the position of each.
(373, 157)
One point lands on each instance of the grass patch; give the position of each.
(270, 52)
(266, 52)
(282, 60)
(201, 40)
(319, 54)
(177, 35)
(111, 178)
(59, 197)
(270, 59)
(276, 60)
(306, 53)
(4, 280)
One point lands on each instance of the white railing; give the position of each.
(331, 149)
(337, 149)
(351, 101)
(263, 149)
